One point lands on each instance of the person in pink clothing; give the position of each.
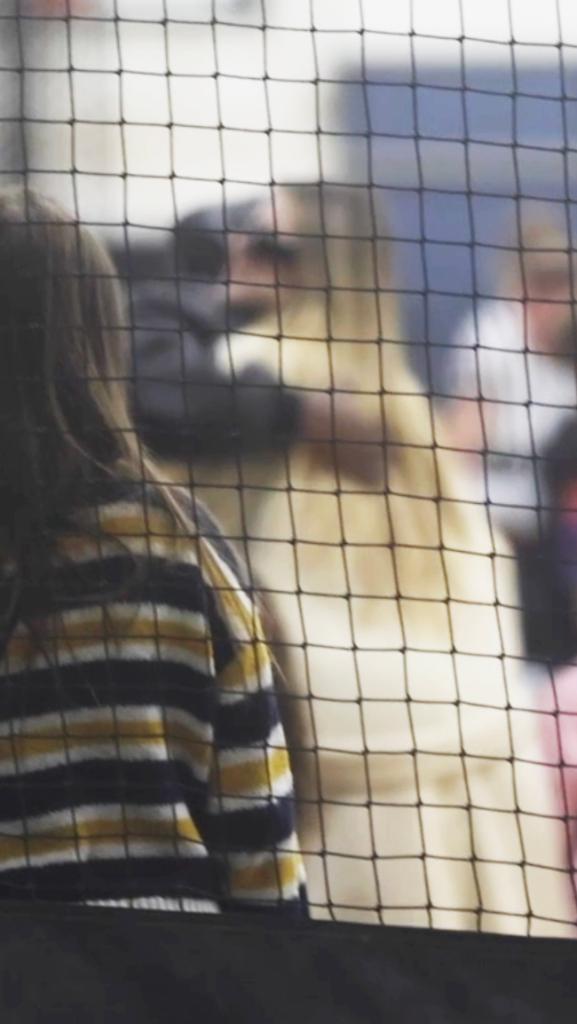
(559, 697)
(559, 732)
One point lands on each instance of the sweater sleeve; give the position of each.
(250, 824)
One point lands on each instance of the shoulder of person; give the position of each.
(205, 532)
(159, 524)
(126, 518)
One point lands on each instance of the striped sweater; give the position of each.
(142, 759)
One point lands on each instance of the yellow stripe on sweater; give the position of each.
(40, 741)
(82, 548)
(254, 776)
(250, 669)
(279, 873)
(140, 529)
(236, 604)
(113, 626)
(132, 520)
(86, 835)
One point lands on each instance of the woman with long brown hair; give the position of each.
(142, 761)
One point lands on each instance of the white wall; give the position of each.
(120, 92)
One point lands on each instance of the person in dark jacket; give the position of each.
(548, 575)
(561, 464)
(209, 280)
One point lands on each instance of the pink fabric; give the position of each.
(559, 735)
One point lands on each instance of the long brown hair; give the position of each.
(65, 424)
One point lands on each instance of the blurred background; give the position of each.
(137, 111)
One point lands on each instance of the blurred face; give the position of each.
(267, 257)
(549, 313)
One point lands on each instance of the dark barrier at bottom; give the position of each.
(72, 964)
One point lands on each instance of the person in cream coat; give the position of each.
(423, 795)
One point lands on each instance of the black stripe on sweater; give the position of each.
(229, 831)
(135, 684)
(142, 578)
(115, 683)
(100, 782)
(171, 877)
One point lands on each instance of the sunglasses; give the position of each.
(269, 247)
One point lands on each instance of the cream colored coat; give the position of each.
(423, 798)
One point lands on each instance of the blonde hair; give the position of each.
(342, 332)
(396, 621)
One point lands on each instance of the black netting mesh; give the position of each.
(345, 232)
